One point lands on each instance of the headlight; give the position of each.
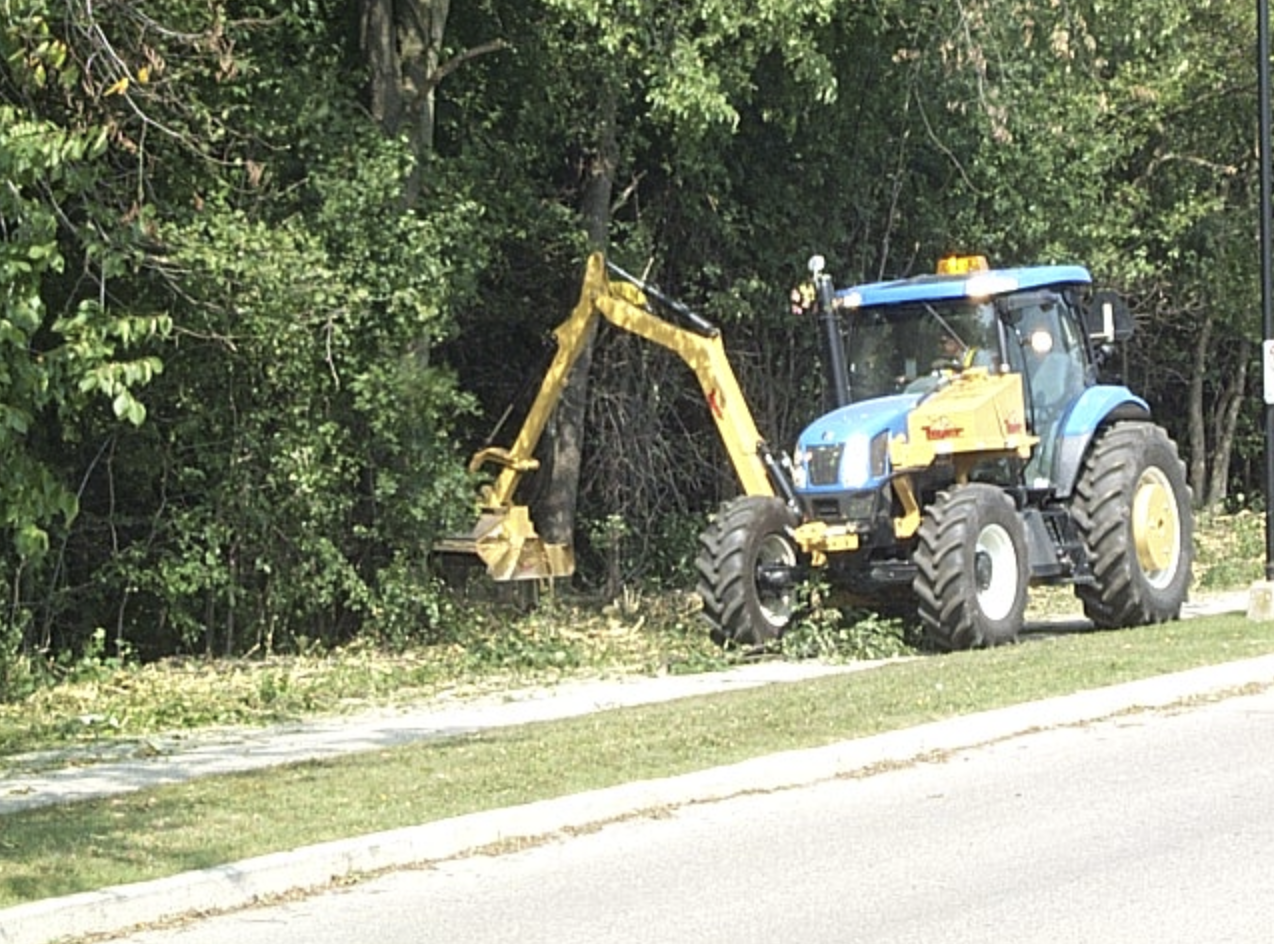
(879, 454)
(800, 475)
(854, 463)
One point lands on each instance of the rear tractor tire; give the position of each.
(1132, 506)
(971, 569)
(746, 561)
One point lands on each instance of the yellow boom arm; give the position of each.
(504, 537)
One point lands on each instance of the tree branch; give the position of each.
(456, 61)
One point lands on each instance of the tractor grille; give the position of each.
(826, 509)
(857, 507)
(824, 464)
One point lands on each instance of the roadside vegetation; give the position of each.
(252, 272)
(272, 273)
(84, 846)
(117, 705)
(99, 698)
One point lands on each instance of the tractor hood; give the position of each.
(847, 448)
(977, 414)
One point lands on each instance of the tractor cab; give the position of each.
(895, 348)
(910, 336)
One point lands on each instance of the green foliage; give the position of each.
(309, 456)
(694, 70)
(51, 364)
(293, 460)
(238, 373)
(824, 631)
(17, 676)
(1229, 550)
(673, 547)
(94, 664)
(71, 341)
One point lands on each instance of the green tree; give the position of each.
(1118, 135)
(296, 458)
(69, 345)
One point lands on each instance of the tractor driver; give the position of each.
(954, 354)
(950, 351)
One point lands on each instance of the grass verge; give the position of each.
(79, 847)
(101, 701)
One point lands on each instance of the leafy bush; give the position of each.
(1229, 550)
(845, 635)
(296, 457)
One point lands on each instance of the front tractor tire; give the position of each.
(971, 569)
(1132, 506)
(746, 562)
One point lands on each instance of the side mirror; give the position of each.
(1107, 318)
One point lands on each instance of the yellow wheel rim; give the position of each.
(1156, 527)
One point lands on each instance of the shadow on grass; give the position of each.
(63, 850)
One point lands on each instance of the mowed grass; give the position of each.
(84, 846)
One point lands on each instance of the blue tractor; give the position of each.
(970, 450)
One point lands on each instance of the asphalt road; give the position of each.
(1156, 826)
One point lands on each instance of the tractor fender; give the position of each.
(1097, 407)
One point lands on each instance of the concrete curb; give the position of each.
(116, 910)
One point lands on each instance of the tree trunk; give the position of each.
(380, 47)
(1232, 397)
(402, 40)
(1197, 428)
(556, 515)
(421, 32)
